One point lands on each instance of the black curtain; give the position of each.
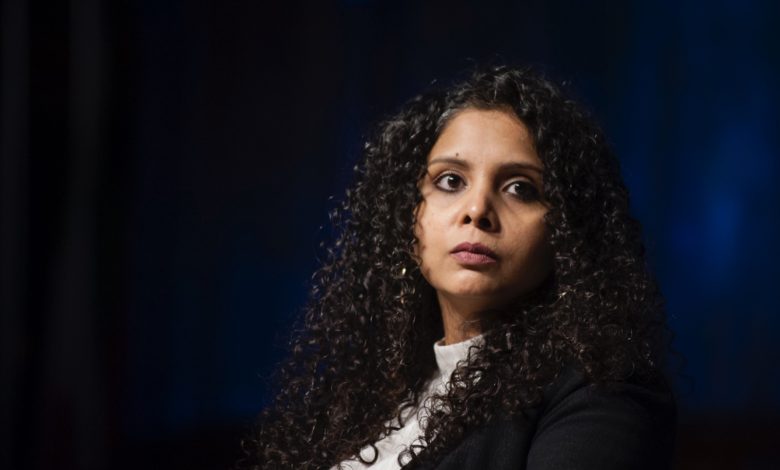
(61, 330)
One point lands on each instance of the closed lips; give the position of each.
(475, 248)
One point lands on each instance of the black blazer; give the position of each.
(577, 426)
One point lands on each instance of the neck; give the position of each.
(461, 319)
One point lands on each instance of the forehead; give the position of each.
(485, 135)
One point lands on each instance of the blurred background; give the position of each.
(167, 169)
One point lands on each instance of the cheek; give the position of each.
(430, 233)
(429, 238)
(540, 254)
(419, 230)
(535, 251)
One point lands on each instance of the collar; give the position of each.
(448, 356)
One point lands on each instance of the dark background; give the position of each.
(167, 168)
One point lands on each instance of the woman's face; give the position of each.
(480, 229)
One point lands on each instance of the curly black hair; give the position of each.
(363, 350)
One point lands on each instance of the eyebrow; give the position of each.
(503, 166)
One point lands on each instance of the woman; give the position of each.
(486, 303)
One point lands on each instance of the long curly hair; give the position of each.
(362, 352)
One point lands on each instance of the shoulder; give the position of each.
(653, 399)
(579, 425)
(616, 425)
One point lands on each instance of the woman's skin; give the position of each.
(483, 185)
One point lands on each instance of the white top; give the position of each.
(390, 446)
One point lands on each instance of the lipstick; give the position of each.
(474, 254)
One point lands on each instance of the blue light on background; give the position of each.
(686, 93)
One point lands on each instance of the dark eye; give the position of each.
(523, 190)
(449, 182)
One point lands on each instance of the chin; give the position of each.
(475, 285)
(475, 293)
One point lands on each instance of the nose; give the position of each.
(479, 210)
